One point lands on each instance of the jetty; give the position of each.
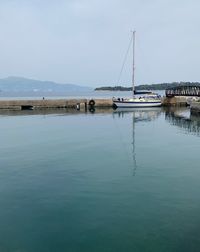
(175, 101)
(78, 104)
(84, 104)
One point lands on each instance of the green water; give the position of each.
(107, 181)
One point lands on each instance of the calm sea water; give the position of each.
(68, 95)
(105, 181)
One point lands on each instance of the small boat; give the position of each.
(149, 99)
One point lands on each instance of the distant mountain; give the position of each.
(160, 86)
(19, 84)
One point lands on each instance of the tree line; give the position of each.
(160, 86)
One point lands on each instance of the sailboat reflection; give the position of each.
(182, 118)
(138, 115)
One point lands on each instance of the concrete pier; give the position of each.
(175, 101)
(103, 103)
(79, 104)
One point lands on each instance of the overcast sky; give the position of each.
(84, 41)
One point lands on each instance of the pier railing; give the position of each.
(183, 91)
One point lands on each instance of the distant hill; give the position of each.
(115, 88)
(160, 86)
(19, 84)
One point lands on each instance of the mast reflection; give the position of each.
(138, 115)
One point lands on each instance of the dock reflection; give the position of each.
(182, 118)
(49, 111)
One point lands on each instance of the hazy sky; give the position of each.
(84, 41)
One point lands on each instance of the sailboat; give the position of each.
(148, 100)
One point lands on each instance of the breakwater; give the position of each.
(175, 101)
(79, 104)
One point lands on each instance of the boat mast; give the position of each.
(133, 74)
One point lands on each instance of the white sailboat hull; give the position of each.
(136, 104)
